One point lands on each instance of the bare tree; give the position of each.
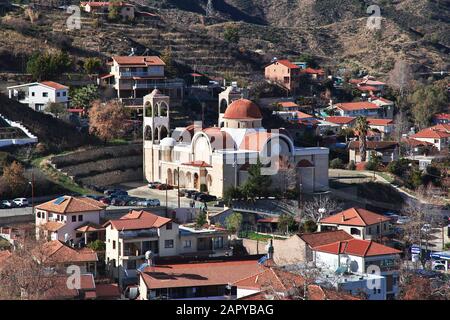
(401, 77)
(401, 125)
(320, 207)
(25, 275)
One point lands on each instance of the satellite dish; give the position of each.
(148, 255)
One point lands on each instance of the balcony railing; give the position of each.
(138, 234)
(140, 74)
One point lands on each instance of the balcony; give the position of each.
(135, 234)
(140, 74)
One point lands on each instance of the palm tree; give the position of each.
(362, 126)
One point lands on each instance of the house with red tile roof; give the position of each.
(357, 256)
(38, 95)
(359, 223)
(299, 247)
(438, 135)
(358, 108)
(344, 122)
(63, 219)
(314, 74)
(137, 232)
(133, 77)
(285, 74)
(385, 126)
(59, 255)
(196, 280)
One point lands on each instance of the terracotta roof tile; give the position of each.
(288, 64)
(361, 105)
(69, 204)
(340, 120)
(374, 145)
(136, 220)
(139, 60)
(357, 247)
(355, 217)
(436, 132)
(199, 274)
(54, 85)
(320, 238)
(57, 252)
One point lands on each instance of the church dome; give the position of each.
(242, 109)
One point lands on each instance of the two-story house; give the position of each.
(360, 223)
(133, 77)
(130, 237)
(360, 108)
(285, 74)
(362, 257)
(439, 135)
(69, 219)
(38, 95)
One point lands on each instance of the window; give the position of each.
(45, 94)
(114, 244)
(169, 226)
(168, 243)
(32, 94)
(80, 217)
(64, 94)
(43, 215)
(218, 243)
(58, 94)
(74, 218)
(187, 244)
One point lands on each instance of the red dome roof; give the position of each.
(242, 109)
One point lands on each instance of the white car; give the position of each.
(403, 220)
(438, 265)
(21, 202)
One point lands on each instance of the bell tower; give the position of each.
(156, 127)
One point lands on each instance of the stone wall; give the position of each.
(254, 246)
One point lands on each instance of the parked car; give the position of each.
(20, 202)
(190, 193)
(182, 192)
(206, 198)
(118, 202)
(8, 204)
(115, 191)
(149, 203)
(153, 185)
(105, 200)
(133, 201)
(438, 265)
(197, 195)
(403, 220)
(164, 186)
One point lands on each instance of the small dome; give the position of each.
(167, 142)
(242, 109)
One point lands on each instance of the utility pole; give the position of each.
(167, 209)
(178, 182)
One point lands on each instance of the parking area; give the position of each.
(172, 196)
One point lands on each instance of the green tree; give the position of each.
(201, 220)
(309, 59)
(84, 96)
(97, 245)
(113, 10)
(231, 34)
(45, 66)
(426, 101)
(234, 222)
(167, 57)
(257, 185)
(57, 109)
(336, 164)
(362, 126)
(231, 193)
(92, 65)
(286, 222)
(309, 226)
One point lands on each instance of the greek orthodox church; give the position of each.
(216, 158)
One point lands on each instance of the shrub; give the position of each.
(336, 164)
(351, 165)
(97, 245)
(231, 34)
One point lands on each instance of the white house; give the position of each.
(38, 94)
(359, 223)
(439, 135)
(361, 257)
(69, 219)
(131, 236)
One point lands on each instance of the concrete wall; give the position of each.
(291, 251)
(254, 247)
